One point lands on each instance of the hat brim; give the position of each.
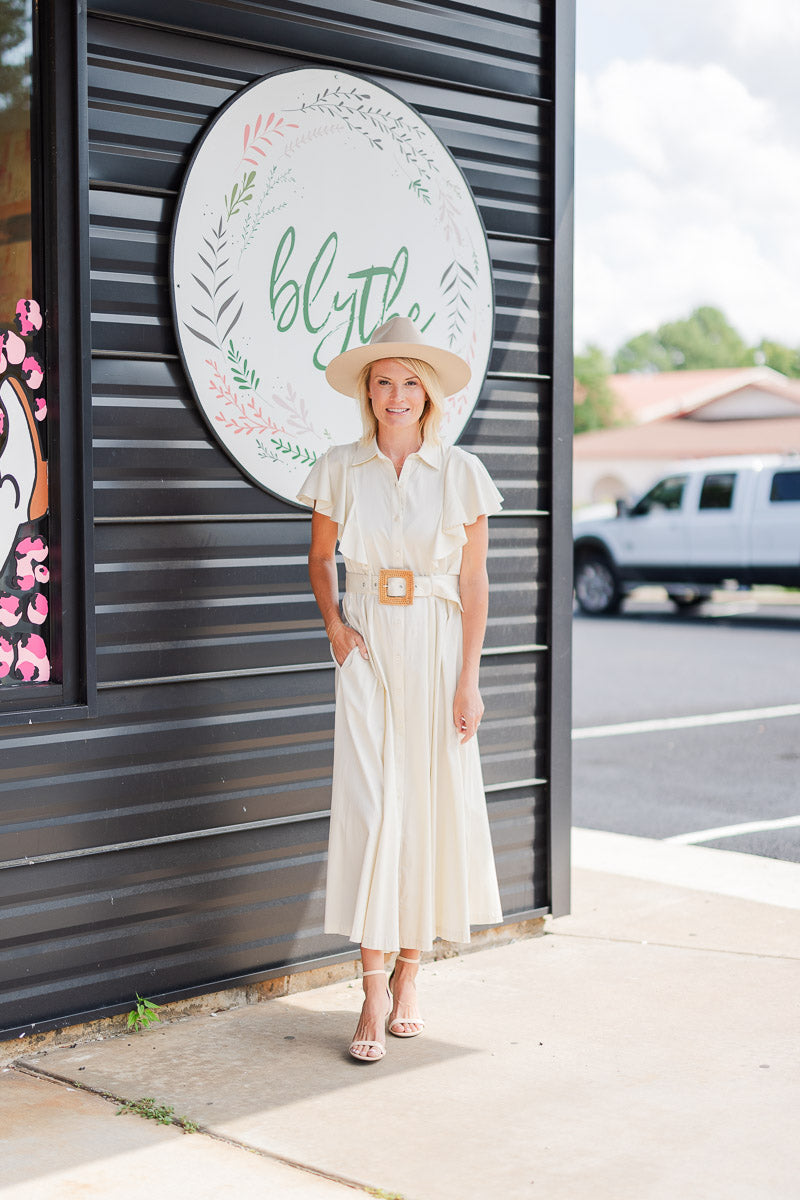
(343, 371)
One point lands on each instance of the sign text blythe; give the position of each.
(370, 302)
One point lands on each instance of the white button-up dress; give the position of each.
(410, 856)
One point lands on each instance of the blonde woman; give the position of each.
(410, 857)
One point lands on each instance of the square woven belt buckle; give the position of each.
(395, 587)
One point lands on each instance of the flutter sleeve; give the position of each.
(326, 486)
(469, 493)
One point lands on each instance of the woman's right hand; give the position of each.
(344, 639)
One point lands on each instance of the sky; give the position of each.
(687, 166)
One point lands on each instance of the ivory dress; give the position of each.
(410, 856)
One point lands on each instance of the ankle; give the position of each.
(405, 968)
(373, 982)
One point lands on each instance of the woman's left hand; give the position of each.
(467, 709)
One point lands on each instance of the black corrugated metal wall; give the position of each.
(177, 839)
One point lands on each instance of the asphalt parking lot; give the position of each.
(687, 726)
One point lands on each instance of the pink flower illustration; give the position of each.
(41, 408)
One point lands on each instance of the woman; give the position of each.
(410, 857)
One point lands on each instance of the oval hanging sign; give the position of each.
(317, 206)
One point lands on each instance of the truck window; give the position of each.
(717, 491)
(785, 486)
(666, 496)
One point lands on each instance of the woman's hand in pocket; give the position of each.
(344, 639)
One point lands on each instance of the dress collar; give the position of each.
(430, 453)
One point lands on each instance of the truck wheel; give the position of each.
(688, 600)
(596, 587)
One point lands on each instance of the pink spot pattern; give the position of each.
(24, 608)
(6, 657)
(33, 371)
(37, 609)
(31, 553)
(10, 612)
(29, 317)
(32, 662)
(13, 347)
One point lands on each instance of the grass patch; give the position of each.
(163, 1114)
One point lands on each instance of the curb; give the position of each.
(722, 872)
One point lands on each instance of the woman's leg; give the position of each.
(373, 1014)
(405, 1019)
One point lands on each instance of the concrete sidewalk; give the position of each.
(646, 1047)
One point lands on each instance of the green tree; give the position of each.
(644, 353)
(779, 357)
(14, 55)
(594, 401)
(704, 339)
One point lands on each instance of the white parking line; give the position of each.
(723, 831)
(665, 723)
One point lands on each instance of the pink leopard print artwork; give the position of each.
(24, 535)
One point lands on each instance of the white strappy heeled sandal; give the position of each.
(404, 1020)
(364, 1042)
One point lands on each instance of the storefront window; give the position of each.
(15, 153)
(24, 535)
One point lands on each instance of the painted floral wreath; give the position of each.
(280, 423)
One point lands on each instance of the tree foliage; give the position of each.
(594, 400)
(14, 62)
(704, 339)
(781, 358)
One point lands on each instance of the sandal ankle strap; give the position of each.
(414, 961)
(364, 974)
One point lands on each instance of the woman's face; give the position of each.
(397, 396)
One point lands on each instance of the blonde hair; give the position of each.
(432, 413)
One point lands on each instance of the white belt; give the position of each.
(402, 587)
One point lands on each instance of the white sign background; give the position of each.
(317, 206)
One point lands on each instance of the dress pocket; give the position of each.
(347, 657)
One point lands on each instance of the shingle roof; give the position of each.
(649, 397)
(680, 438)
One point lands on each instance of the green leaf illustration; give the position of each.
(295, 451)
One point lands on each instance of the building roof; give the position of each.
(681, 438)
(652, 396)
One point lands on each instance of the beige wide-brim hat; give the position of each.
(398, 338)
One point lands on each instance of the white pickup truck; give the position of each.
(704, 523)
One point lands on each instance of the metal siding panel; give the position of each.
(187, 599)
(189, 758)
(159, 917)
(519, 826)
(177, 839)
(183, 915)
(478, 48)
(142, 407)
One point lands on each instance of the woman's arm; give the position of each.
(474, 587)
(325, 585)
